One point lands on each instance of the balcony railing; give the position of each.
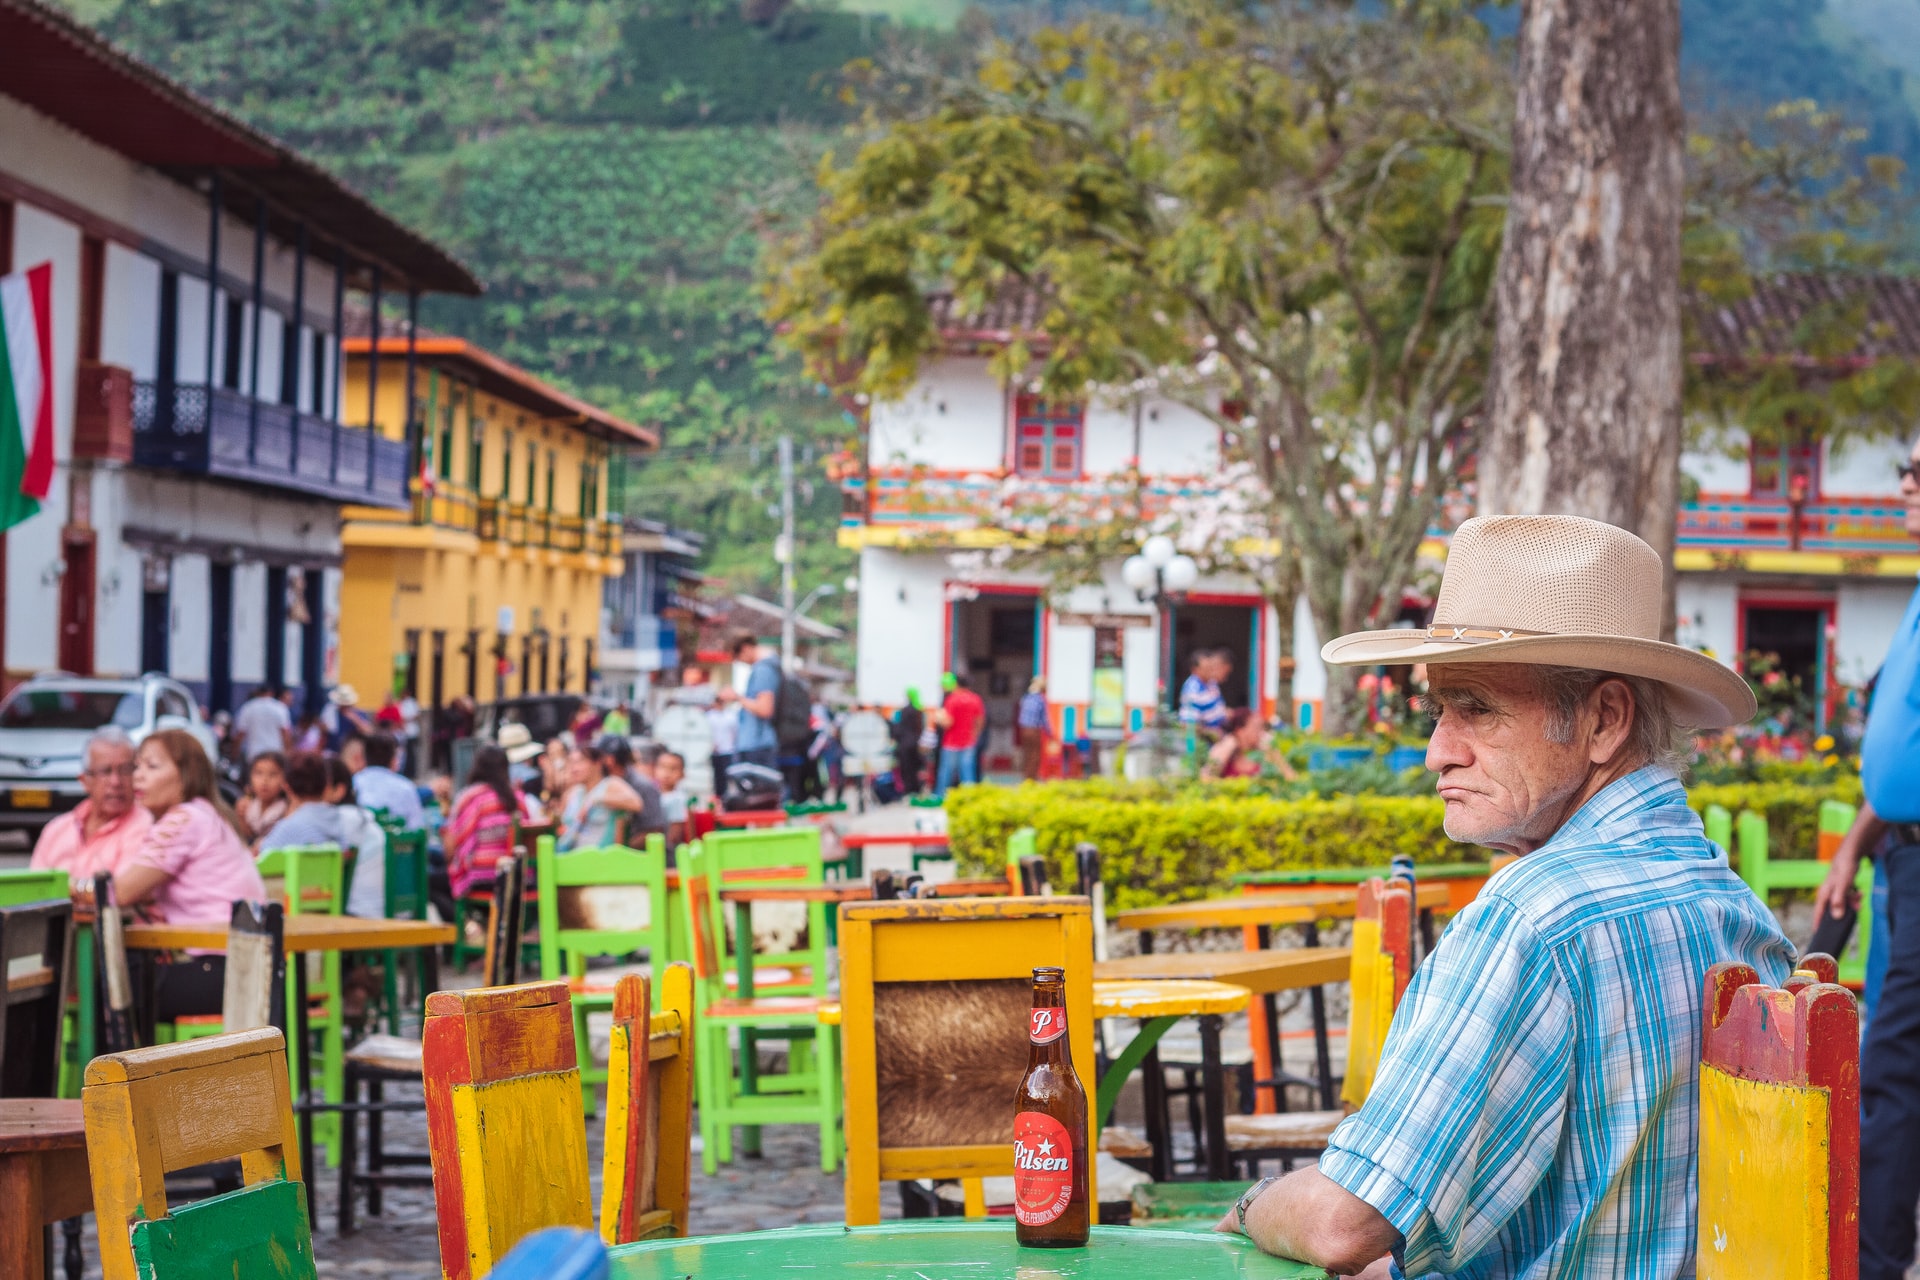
(212, 431)
(1846, 526)
(497, 520)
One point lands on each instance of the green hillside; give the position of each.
(608, 167)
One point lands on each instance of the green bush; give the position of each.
(1164, 841)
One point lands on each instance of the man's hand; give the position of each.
(1836, 894)
(1309, 1217)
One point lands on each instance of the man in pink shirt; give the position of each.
(104, 832)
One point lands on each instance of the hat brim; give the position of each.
(1705, 694)
(524, 752)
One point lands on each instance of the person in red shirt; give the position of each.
(960, 718)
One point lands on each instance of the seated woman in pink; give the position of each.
(191, 866)
(479, 830)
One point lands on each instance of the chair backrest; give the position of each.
(1033, 878)
(1086, 859)
(24, 884)
(1836, 819)
(1382, 967)
(114, 1001)
(406, 883)
(935, 995)
(504, 916)
(1023, 843)
(504, 1124)
(254, 992)
(307, 878)
(1779, 1168)
(558, 1253)
(36, 964)
(648, 1158)
(1719, 825)
(150, 1112)
(773, 855)
(599, 902)
(1750, 836)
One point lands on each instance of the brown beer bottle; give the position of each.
(1050, 1128)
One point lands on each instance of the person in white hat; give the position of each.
(1535, 1108)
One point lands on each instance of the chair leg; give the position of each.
(76, 1262)
(583, 1055)
(828, 1040)
(705, 1063)
(349, 1141)
(376, 1158)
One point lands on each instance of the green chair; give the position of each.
(313, 878)
(1719, 825)
(1023, 843)
(770, 856)
(24, 885)
(1836, 819)
(807, 1093)
(598, 902)
(1766, 874)
(406, 899)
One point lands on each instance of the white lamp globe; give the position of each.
(1180, 574)
(1137, 573)
(1158, 550)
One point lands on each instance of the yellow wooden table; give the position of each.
(302, 935)
(1159, 1003)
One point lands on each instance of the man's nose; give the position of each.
(1447, 748)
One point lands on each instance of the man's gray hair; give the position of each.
(1654, 738)
(107, 735)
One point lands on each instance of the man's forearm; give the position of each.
(1310, 1218)
(1868, 827)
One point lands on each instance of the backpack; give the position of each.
(792, 716)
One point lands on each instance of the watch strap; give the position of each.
(1246, 1200)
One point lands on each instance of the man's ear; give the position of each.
(1612, 708)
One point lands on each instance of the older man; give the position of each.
(1534, 1111)
(103, 832)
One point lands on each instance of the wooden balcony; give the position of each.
(213, 431)
(1834, 526)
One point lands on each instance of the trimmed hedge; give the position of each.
(1167, 841)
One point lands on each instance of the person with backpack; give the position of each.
(793, 732)
(758, 741)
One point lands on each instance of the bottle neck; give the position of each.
(1047, 1029)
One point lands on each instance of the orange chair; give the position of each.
(648, 1161)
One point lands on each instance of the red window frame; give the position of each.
(1768, 478)
(1049, 438)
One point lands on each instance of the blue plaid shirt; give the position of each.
(1535, 1112)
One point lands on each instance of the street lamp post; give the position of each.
(1161, 575)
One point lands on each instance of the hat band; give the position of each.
(1448, 634)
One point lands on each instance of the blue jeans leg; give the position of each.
(1890, 1084)
(949, 772)
(970, 765)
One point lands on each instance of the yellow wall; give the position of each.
(449, 565)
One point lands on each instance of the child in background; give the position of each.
(266, 800)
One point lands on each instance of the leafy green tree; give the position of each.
(1286, 217)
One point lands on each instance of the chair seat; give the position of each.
(1123, 1143)
(1283, 1130)
(387, 1053)
(797, 1007)
(601, 982)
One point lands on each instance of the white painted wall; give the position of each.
(955, 418)
(249, 622)
(902, 610)
(191, 637)
(1707, 616)
(116, 633)
(1866, 616)
(1309, 673)
(1176, 441)
(1717, 473)
(129, 312)
(191, 366)
(1864, 468)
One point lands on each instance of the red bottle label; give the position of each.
(1048, 1025)
(1042, 1168)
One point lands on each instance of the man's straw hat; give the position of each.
(1558, 591)
(517, 741)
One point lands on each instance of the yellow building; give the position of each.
(491, 585)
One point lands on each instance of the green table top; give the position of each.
(952, 1250)
(1355, 875)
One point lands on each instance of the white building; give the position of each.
(1804, 557)
(198, 272)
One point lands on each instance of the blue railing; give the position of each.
(213, 431)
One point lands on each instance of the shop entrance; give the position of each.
(994, 640)
(1232, 627)
(1794, 633)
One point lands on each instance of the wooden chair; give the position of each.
(1779, 1171)
(1021, 844)
(151, 1111)
(598, 902)
(558, 1253)
(23, 884)
(775, 855)
(380, 1060)
(808, 1093)
(36, 955)
(934, 997)
(1382, 966)
(648, 1160)
(503, 1119)
(311, 880)
(405, 889)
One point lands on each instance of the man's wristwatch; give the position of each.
(1252, 1194)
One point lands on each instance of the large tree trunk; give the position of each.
(1584, 414)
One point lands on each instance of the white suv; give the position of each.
(44, 726)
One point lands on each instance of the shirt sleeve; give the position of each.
(1469, 1099)
(170, 842)
(764, 678)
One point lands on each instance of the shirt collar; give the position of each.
(1649, 787)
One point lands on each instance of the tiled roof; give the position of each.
(1017, 309)
(1771, 323)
